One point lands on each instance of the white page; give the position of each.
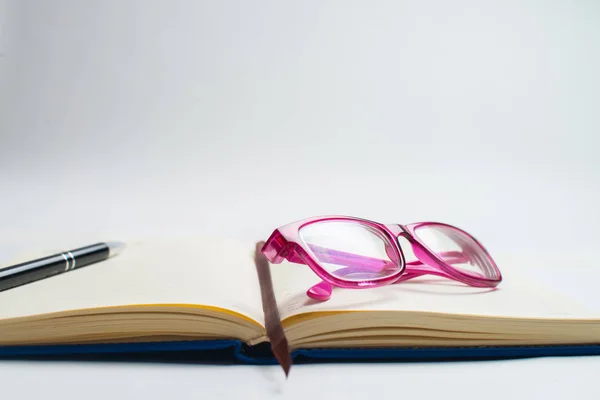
(205, 271)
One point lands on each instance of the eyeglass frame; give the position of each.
(286, 243)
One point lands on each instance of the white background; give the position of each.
(149, 118)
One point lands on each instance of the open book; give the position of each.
(206, 291)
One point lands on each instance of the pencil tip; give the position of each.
(286, 365)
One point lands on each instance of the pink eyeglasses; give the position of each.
(350, 252)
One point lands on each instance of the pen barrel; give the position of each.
(89, 255)
(32, 271)
(46, 267)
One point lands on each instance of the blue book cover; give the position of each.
(235, 352)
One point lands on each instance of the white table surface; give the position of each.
(148, 118)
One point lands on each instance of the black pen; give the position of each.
(35, 270)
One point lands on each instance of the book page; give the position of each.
(198, 271)
(515, 296)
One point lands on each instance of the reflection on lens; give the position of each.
(457, 249)
(351, 250)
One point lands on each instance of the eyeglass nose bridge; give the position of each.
(417, 248)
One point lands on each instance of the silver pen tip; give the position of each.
(115, 248)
